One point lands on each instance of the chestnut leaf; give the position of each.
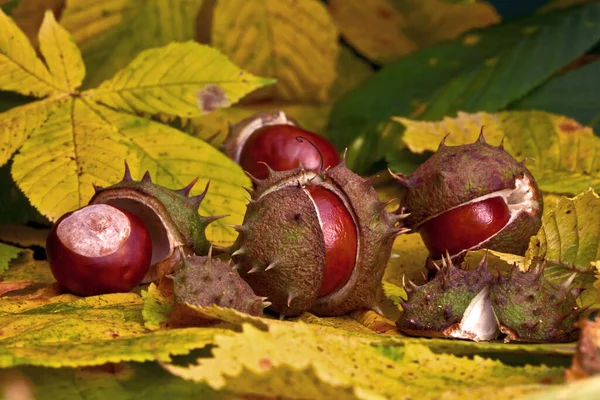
(68, 331)
(71, 139)
(385, 30)
(320, 365)
(7, 253)
(295, 42)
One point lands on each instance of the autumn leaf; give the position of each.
(111, 34)
(294, 42)
(7, 253)
(321, 366)
(385, 30)
(29, 14)
(69, 140)
(71, 331)
(564, 151)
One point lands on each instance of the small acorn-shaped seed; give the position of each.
(278, 141)
(204, 281)
(469, 197)
(315, 242)
(171, 217)
(99, 249)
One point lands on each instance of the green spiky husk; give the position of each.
(281, 225)
(177, 211)
(204, 281)
(530, 308)
(437, 307)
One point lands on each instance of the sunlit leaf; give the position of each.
(111, 33)
(178, 80)
(320, 366)
(294, 42)
(29, 15)
(385, 30)
(7, 253)
(564, 152)
(72, 331)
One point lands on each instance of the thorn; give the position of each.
(209, 255)
(436, 265)
(501, 145)
(281, 317)
(394, 255)
(127, 176)
(147, 178)
(375, 307)
(272, 265)
(424, 276)
(236, 267)
(197, 200)
(577, 291)
(405, 305)
(481, 138)
(238, 252)
(524, 160)
(255, 269)
(185, 191)
(250, 191)
(343, 160)
(290, 297)
(483, 264)
(370, 181)
(254, 179)
(266, 304)
(443, 142)
(96, 188)
(384, 204)
(566, 284)
(400, 178)
(213, 218)
(239, 228)
(214, 136)
(411, 283)
(271, 171)
(499, 275)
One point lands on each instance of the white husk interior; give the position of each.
(478, 322)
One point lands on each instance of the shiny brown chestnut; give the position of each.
(279, 142)
(99, 249)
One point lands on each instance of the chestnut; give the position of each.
(99, 249)
(278, 141)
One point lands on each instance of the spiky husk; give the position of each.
(204, 281)
(436, 308)
(281, 251)
(455, 175)
(170, 215)
(530, 308)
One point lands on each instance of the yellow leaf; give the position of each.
(564, 151)
(67, 331)
(295, 42)
(29, 15)
(178, 80)
(111, 33)
(385, 30)
(7, 253)
(319, 365)
(61, 55)
(20, 69)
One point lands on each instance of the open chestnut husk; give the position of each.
(469, 197)
(278, 141)
(315, 242)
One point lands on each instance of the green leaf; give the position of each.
(295, 42)
(385, 30)
(156, 307)
(7, 253)
(33, 270)
(574, 94)
(322, 366)
(565, 152)
(111, 34)
(486, 70)
(178, 80)
(146, 381)
(71, 331)
(9, 6)
(70, 140)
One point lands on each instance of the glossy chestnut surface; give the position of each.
(341, 241)
(282, 147)
(99, 249)
(464, 227)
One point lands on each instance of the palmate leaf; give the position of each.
(385, 30)
(69, 139)
(321, 366)
(295, 42)
(110, 34)
(566, 154)
(70, 331)
(481, 71)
